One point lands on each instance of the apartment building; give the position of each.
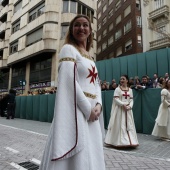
(156, 26)
(32, 33)
(119, 31)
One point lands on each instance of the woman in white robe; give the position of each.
(75, 138)
(121, 129)
(162, 122)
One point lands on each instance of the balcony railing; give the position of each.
(160, 43)
(160, 12)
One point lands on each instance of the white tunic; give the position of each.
(162, 122)
(74, 143)
(121, 129)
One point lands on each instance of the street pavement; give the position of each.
(22, 143)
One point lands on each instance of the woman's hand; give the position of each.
(95, 113)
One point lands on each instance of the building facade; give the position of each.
(119, 31)
(156, 26)
(31, 36)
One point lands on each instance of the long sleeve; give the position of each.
(117, 98)
(164, 98)
(131, 98)
(82, 101)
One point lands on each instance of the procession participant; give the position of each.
(75, 139)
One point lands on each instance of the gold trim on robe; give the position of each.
(67, 59)
(90, 95)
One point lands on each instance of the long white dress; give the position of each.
(121, 129)
(162, 122)
(74, 143)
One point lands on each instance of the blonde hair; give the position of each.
(70, 38)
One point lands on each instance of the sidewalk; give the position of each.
(24, 140)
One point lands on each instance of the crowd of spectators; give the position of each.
(137, 83)
(42, 91)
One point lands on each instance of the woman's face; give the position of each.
(123, 80)
(81, 29)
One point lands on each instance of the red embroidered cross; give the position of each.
(126, 95)
(92, 74)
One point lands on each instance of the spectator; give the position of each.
(105, 86)
(131, 82)
(11, 104)
(155, 80)
(166, 76)
(161, 82)
(113, 85)
(144, 84)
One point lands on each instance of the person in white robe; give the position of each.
(162, 122)
(75, 139)
(121, 129)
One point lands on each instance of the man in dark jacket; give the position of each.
(11, 104)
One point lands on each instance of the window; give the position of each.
(104, 32)
(118, 34)
(64, 30)
(128, 45)
(110, 13)
(34, 37)
(98, 50)
(111, 55)
(139, 40)
(127, 27)
(118, 19)
(104, 46)
(139, 21)
(118, 51)
(110, 1)
(99, 4)
(82, 9)
(15, 26)
(161, 31)
(73, 7)
(104, 20)
(104, 8)
(110, 26)
(70, 6)
(127, 11)
(18, 6)
(36, 12)
(14, 47)
(158, 3)
(99, 37)
(99, 15)
(110, 40)
(99, 26)
(117, 5)
(138, 4)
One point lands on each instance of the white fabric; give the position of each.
(121, 130)
(74, 147)
(162, 122)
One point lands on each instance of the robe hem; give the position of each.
(121, 146)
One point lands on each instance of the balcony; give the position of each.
(3, 14)
(3, 63)
(1, 45)
(4, 2)
(2, 27)
(160, 12)
(160, 43)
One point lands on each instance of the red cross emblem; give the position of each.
(126, 95)
(92, 74)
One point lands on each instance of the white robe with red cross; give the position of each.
(121, 129)
(73, 142)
